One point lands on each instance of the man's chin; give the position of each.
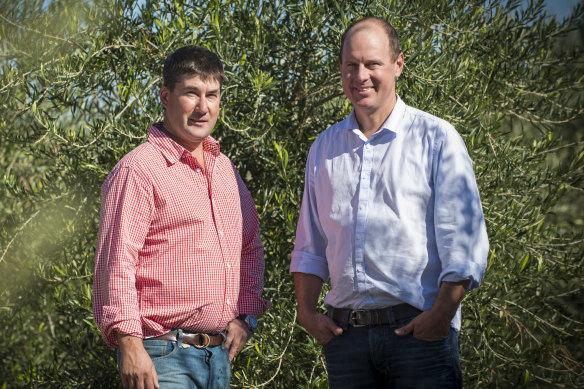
(199, 127)
(362, 100)
(364, 105)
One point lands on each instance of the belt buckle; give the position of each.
(353, 316)
(207, 339)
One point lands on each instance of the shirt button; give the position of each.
(198, 170)
(228, 266)
(227, 301)
(220, 232)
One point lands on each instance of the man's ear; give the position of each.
(163, 94)
(400, 65)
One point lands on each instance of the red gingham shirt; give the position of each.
(174, 251)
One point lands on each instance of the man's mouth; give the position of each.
(197, 121)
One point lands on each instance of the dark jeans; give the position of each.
(375, 357)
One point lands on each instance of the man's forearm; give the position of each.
(449, 297)
(250, 301)
(308, 287)
(321, 327)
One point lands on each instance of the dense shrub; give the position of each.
(78, 89)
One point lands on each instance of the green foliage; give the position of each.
(79, 87)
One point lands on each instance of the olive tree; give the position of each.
(79, 85)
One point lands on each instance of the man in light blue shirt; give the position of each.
(391, 212)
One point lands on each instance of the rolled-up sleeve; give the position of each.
(126, 212)
(461, 234)
(309, 254)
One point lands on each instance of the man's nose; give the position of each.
(361, 74)
(202, 105)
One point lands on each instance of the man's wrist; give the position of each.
(128, 343)
(250, 321)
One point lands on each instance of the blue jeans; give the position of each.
(182, 367)
(375, 357)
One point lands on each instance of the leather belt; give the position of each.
(199, 340)
(372, 317)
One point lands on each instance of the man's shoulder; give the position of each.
(438, 131)
(332, 132)
(427, 120)
(140, 160)
(143, 155)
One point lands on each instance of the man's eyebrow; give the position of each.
(193, 88)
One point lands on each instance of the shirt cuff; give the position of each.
(130, 327)
(472, 272)
(253, 305)
(303, 262)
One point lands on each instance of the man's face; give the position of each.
(367, 70)
(192, 107)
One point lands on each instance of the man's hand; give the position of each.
(237, 335)
(434, 325)
(321, 327)
(136, 367)
(427, 326)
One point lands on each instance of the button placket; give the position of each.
(360, 228)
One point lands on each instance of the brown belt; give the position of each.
(198, 340)
(372, 317)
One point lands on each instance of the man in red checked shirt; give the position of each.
(179, 262)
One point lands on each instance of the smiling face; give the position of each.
(191, 109)
(368, 71)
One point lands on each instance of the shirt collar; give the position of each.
(171, 150)
(393, 123)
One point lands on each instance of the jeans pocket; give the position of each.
(160, 349)
(445, 339)
(328, 345)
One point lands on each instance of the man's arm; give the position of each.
(309, 266)
(321, 327)
(127, 206)
(433, 325)
(252, 257)
(461, 236)
(252, 268)
(136, 367)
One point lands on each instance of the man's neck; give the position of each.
(196, 150)
(198, 154)
(371, 122)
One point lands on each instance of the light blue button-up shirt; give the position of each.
(392, 216)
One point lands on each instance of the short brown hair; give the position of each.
(192, 60)
(394, 49)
